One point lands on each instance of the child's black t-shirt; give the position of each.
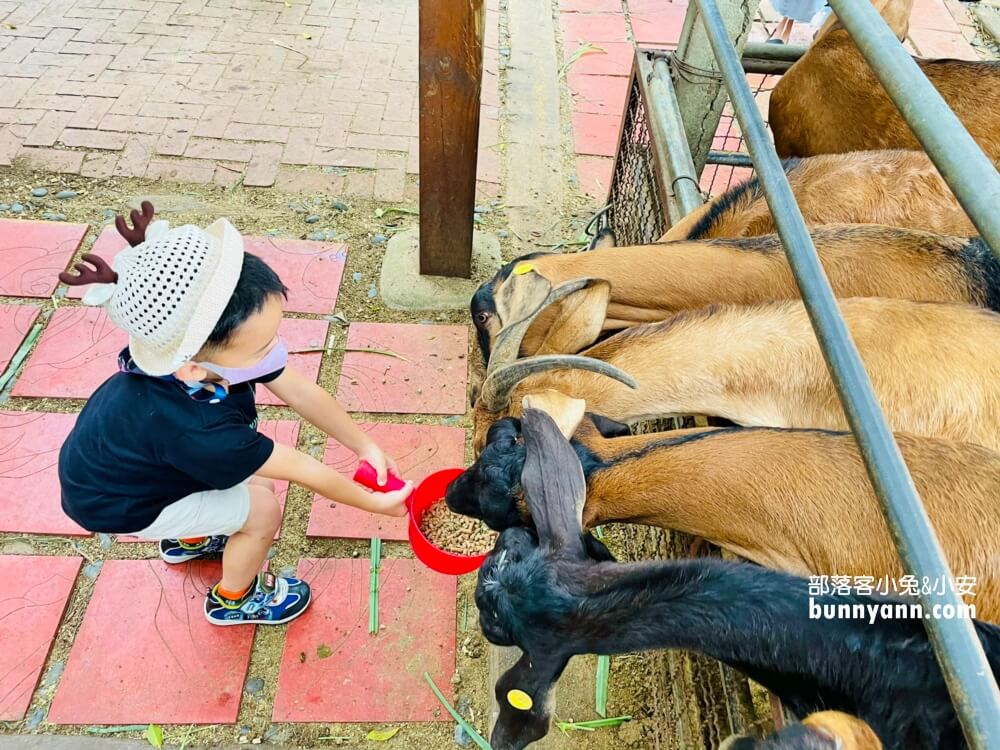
(142, 443)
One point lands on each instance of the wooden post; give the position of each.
(451, 72)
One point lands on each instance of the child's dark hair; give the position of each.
(257, 283)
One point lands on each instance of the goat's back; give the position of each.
(830, 101)
(935, 368)
(891, 187)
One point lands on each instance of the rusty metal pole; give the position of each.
(451, 73)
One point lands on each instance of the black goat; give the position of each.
(543, 594)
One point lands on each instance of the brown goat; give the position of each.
(824, 730)
(796, 500)
(895, 188)
(830, 101)
(935, 369)
(649, 283)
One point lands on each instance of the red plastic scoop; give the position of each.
(366, 477)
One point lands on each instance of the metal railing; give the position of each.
(976, 184)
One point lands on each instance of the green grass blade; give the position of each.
(376, 566)
(19, 356)
(118, 728)
(601, 689)
(466, 726)
(590, 726)
(584, 49)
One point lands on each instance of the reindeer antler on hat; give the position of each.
(135, 235)
(102, 273)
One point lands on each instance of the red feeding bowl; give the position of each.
(427, 493)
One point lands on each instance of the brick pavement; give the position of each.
(142, 617)
(598, 80)
(206, 91)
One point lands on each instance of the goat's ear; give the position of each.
(604, 238)
(522, 293)
(554, 486)
(579, 319)
(609, 428)
(567, 412)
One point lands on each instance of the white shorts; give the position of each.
(209, 513)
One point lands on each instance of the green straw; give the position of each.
(601, 693)
(373, 587)
(466, 726)
(18, 359)
(590, 726)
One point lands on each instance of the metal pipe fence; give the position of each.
(977, 186)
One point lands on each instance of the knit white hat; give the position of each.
(171, 291)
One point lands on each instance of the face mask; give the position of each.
(274, 360)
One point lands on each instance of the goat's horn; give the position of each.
(508, 343)
(500, 384)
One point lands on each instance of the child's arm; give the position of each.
(288, 463)
(321, 409)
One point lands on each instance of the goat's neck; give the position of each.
(753, 619)
(737, 488)
(716, 363)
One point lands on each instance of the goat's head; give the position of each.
(562, 316)
(490, 489)
(520, 600)
(494, 398)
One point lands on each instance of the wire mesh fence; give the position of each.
(634, 208)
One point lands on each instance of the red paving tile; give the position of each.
(299, 333)
(15, 322)
(594, 175)
(931, 14)
(29, 479)
(36, 590)
(939, 44)
(418, 449)
(369, 678)
(32, 253)
(146, 653)
(613, 59)
(311, 270)
(581, 28)
(660, 26)
(590, 6)
(604, 95)
(79, 351)
(596, 135)
(431, 381)
(280, 431)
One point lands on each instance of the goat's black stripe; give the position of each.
(593, 463)
(982, 272)
(750, 188)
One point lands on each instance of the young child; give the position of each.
(168, 447)
(803, 11)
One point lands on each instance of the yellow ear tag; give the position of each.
(520, 700)
(522, 268)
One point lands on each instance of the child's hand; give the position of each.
(382, 463)
(392, 503)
